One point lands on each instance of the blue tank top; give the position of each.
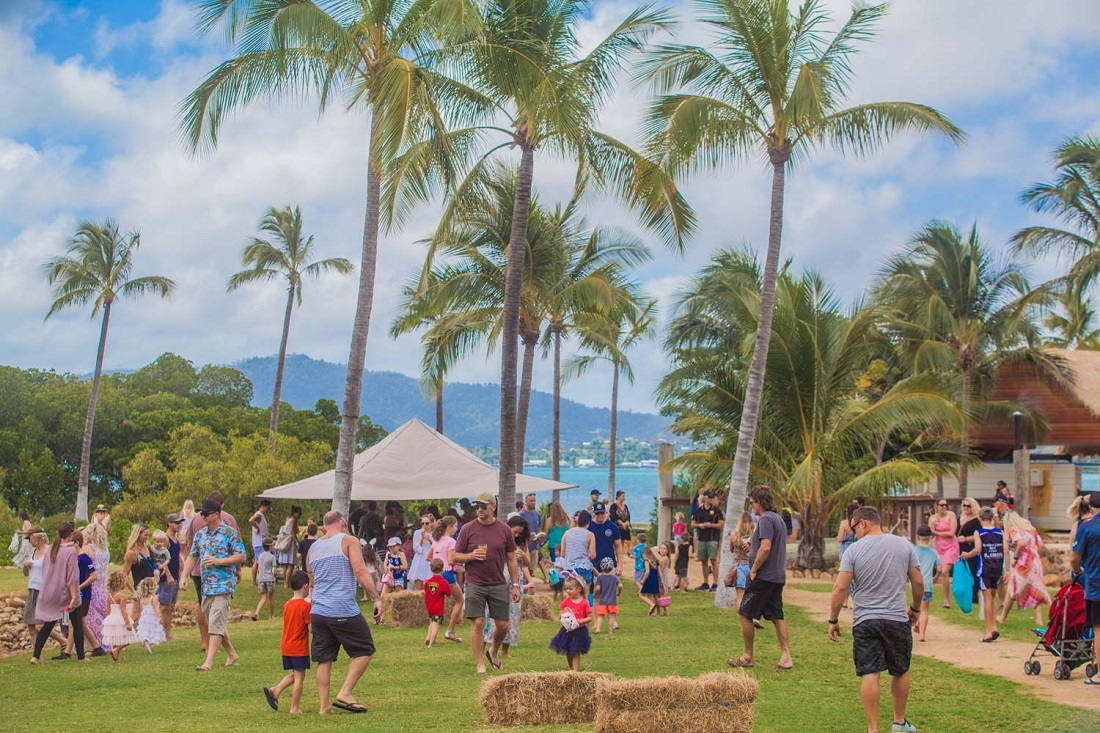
(334, 585)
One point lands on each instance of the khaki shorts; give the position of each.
(491, 598)
(706, 550)
(216, 611)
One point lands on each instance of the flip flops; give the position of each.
(351, 707)
(271, 699)
(452, 637)
(739, 663)
(489, 657)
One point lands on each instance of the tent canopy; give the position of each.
(413, 462)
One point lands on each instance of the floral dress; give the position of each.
(97, 608)
(1025, 575)
(514, 611)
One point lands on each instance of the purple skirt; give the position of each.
(572, 642)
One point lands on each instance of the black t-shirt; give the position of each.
(711, 515)
(303, 550)
(966, 533)
(683, 555)
(354, 520)
(370, 527)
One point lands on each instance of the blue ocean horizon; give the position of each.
(640, 485)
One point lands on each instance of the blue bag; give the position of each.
(962, 586)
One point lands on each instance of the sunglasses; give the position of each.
(943, 505)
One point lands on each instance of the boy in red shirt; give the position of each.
(435, 588)
(294, 644)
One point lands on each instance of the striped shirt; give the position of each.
(334, 584)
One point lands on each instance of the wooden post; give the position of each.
(1021, 467)
(665, 453)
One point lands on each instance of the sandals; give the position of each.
(496, 665)
(740, 663)
(452, 637)
(271, 699)
(351, 707)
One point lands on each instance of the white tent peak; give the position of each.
(412, 462)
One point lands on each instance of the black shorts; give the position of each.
(879, 645)
(196, 580)
(762, 599)
(1092, 613)
(329, 634)
(989, 581)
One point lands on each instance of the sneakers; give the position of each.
(62, 655)
(904, 727)
(714, 588)
(703, 586)
(98, 652)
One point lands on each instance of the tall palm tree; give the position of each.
(528, 59)
(1073, 324)
(768, 84)
(954, 308)
(371, 52)
(821, 433)
(1074, 198)
(96, 269)
(288, 258)
(610, 337)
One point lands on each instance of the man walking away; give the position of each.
(877, 567)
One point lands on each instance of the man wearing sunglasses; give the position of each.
(877, 567)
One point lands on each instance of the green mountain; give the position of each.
(471, 411)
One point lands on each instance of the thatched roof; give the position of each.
(1082, 376)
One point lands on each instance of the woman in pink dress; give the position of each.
(1025, 570)
(944, 526)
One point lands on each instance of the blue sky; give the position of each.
(89, 130)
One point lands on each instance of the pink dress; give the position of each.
(1025, 575)
(946, 547)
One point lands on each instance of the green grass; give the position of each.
(410, 687)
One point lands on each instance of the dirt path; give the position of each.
(956, 645)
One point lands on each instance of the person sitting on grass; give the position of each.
(436, 591)
(606, 590)
(929, 564)
(294, 645)
(265, 570)
(573, 639)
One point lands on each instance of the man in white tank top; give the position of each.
(336, 568)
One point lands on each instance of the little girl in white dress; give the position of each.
(118, 629)
(150, 631)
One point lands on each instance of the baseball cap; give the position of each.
(209, 506)
(393, 541)
(486, 497)
(1094, 500)
(172, 519)
(924, 531)
(599, 508)
(1002, 498)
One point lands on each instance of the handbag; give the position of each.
(283, 543)
(731, 577)
(664, 601)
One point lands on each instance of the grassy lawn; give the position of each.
(411, 687)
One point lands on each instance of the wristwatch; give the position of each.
(834, 621)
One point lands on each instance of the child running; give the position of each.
(118, 629)
(436, 590)
(294, 645)
(685, 551)
(573, 639)
(265, 570)
(651, 582)
(929, 563)
(150, 631)
(606, 589)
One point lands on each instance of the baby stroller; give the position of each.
(1066, 637)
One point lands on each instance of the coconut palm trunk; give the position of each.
(439, 407)
(555, 438)
(353, 388)
(614, 430)
(273, 429)
(81, 513)
(964, 403)
(529, 344)
(517, 246)
(754, 390)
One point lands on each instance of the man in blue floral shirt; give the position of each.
(219, 551)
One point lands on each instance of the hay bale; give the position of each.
(405, 609)
(539, 607)
(532, 698)
(716, 702)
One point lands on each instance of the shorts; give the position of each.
(681, 573)
(298, 663)
(605, 610)
(257, 550)
(638, 575)
(762, 599)
(879, 645)
(196, 581)
(742, 578)
(266, 587)
(927, 597)
(435, 619)
(167, 595)
(706, 550)
(1092, 613)
(989, 581)
(329, 634)
(216, 611)
(496, 597)
(449, 576)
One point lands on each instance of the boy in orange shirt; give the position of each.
(435, 590)
(294, 644)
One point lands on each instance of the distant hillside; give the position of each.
(471, 411)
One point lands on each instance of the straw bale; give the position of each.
(541, 698)
(718, 702)
(539, 607)
(405, 609)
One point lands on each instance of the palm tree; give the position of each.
(1073, 325)
(821, 433)
(371, 51)
(768, 84)
(953, 308)
(528, 59)
(96, 269)
(288, 258)
(610, 337)
(1074, 198)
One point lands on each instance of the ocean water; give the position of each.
(640, 485)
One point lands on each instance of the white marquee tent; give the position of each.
(413, 462)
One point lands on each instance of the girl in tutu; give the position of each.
(118, 630)
(573, 639)
(149, 631)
